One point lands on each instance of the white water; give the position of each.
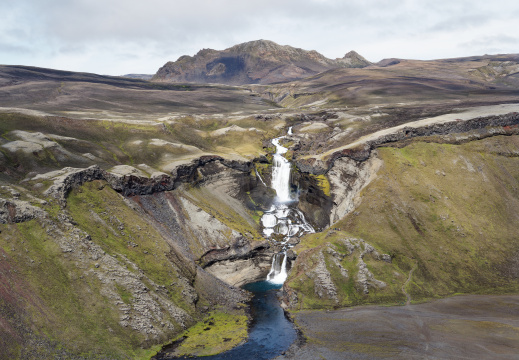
(283, 218)
(281, 173)
(278, 270)
(259, 176)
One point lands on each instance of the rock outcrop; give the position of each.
(347, 178)
(326, 268)
(131, 181)
(127, 287)
(454, 132)
(17, 211)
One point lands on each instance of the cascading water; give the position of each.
(283, 218)
(281, 173)
(271, 332)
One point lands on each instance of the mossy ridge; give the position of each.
(424, 211)
(217, 333)
(120, 230)
(67, 308)
(348, 291)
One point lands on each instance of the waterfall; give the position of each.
(259, 176)
(281, 173)
(283, 218)
(278, 270)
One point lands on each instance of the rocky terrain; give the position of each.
(130, 209)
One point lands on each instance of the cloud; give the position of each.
(500, 43)
(135, 36)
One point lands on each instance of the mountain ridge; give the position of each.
(253, 62)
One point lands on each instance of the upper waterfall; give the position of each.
(283, 218)
(280, 173)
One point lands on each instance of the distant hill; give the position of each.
(138, 76)
(254, 62)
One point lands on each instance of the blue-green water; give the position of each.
(270, 334)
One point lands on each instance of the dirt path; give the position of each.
(466, 114)
(408, 302)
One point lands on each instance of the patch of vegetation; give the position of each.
(323, 183)
(217, 333)
(118, 229)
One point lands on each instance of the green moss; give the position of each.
(125, 295)
(219, 332)
(458, 228)
(65, 304)
(118, 229)
(323, 183)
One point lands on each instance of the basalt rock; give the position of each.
(131, 181)
(242, 263)
(347, 178)
(313, 201)
(69, 178)
(477, 128)
(241, 249)
(325, 268)
(17, 211)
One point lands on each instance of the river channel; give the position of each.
(271, 332)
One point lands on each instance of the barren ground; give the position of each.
(460, 327)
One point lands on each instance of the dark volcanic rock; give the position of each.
(241, 249)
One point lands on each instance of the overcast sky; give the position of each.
(138, 36)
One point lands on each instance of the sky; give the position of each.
(116, 37)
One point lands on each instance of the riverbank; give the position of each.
(269, 335)
(459, 327)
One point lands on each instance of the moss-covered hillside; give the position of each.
(449, 212)
(97, 280)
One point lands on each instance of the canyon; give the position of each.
(132, 212)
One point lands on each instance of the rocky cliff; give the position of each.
(146, 250)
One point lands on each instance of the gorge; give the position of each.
(135, 214)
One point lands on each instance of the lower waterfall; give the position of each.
(283, 220)
(278, 270)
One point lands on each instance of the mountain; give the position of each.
(254, 62)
